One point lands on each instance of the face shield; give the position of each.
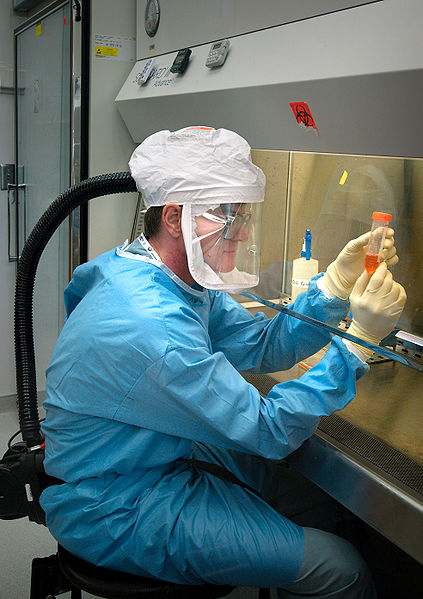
(210, 173)
(222, 243)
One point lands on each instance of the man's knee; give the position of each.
(331, 567)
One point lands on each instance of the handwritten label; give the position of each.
(304, 283)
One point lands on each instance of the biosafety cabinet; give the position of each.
(328, 93)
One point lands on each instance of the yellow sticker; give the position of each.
(105, 51)
(343, 178)
(38, 29)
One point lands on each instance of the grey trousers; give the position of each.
(331, 566)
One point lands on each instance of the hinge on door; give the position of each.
(7, 174)
(77, 7)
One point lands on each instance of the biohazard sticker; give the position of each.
(303, 116)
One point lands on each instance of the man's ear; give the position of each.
(171, 219)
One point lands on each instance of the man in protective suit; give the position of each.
(145, 380)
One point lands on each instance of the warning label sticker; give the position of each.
(105, 51)
(303, 116)
(114, 47)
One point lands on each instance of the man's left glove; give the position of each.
(341, 275)
(377, 302)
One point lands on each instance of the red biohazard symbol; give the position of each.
(303, 115)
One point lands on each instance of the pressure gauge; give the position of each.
(152, 17)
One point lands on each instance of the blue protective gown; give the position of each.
(145, 374)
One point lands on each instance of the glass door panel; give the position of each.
(43, 156)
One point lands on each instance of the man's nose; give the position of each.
(241, 234)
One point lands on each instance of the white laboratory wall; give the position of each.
(8, 21)
(110, 217)
(188, 23)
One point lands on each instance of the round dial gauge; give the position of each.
(152, 17)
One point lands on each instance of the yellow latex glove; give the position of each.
(376, 303)
(342, 274)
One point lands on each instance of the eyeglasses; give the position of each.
(231, 219)
(234, 223)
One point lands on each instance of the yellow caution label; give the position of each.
(38, 29)
(343, 178)
(105, 51)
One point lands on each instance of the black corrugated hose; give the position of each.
(24, 340)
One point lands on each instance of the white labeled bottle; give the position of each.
(303, 268)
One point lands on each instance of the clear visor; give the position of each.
(222, 243)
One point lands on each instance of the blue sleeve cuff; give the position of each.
(361, 355)
(325, 306)
(323, 288)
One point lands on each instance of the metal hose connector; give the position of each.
(56, 213)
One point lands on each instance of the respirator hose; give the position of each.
(56, 213)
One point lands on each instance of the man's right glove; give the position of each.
(376, 303)
(341, 275)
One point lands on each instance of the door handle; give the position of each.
(13, 198)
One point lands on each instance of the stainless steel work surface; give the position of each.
(369, 456)
(389, 405)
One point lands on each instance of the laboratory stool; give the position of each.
(64, 572)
